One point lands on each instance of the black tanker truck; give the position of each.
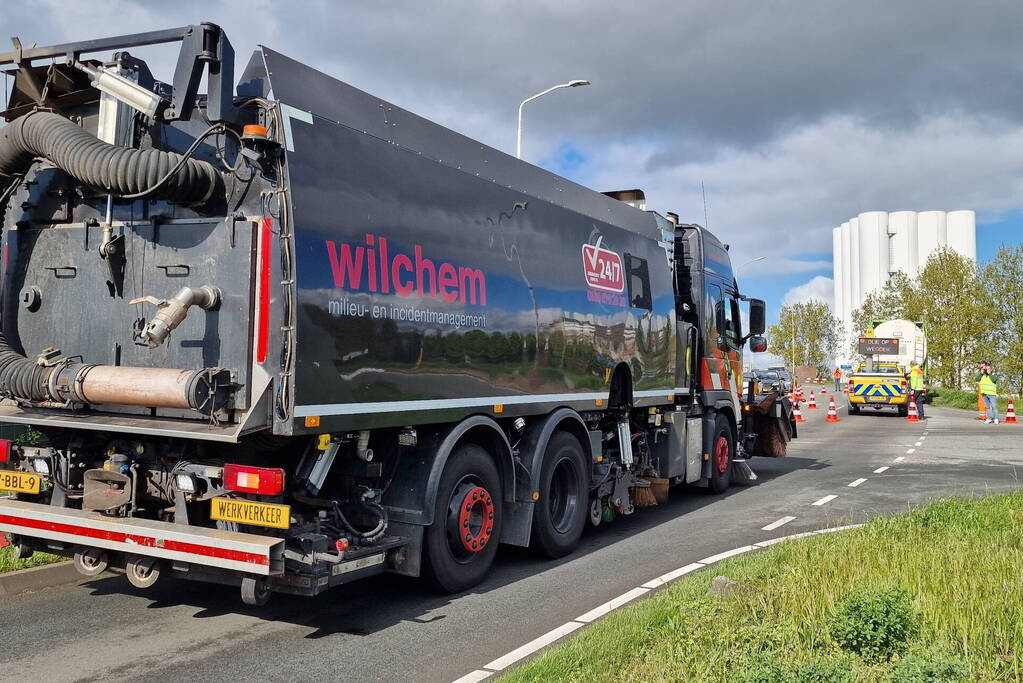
(283, 335)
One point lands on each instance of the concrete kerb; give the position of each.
(36, 578)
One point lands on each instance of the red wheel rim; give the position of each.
(721, 454)
(475, 519)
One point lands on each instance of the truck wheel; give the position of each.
(854, 410)
(255, 591)
(91, 561)
(722, 450)
(142, 571)
(560, 514)
(903, 411)
(461, 543)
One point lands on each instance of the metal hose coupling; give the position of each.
(171, 312)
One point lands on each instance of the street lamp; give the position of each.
(518, 137)
(759, 258)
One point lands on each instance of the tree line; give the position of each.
(970, 313)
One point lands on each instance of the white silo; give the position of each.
(847, 306)
(961, 232)
(854, 264)
(836, 259)
(931, 234)
(903, 245)
(873, 251)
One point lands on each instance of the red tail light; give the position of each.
(5, 450)
(264, 481)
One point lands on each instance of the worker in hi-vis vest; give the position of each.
(916, 385)
(837, 374)
(987, 383)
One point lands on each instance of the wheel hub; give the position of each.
(721, 454)
(475, 517)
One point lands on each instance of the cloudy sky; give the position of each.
(792, 116)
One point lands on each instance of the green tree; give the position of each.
(806, 334)
(958, 316)
(1003, 279)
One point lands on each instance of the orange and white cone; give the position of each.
(832, 411)
(1010, 414)
(797, 413)
(824, 390)
(913, 415)
(812, 405)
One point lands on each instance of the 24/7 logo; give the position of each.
(603, 268)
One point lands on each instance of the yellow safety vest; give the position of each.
(988, 386)
(916, 379)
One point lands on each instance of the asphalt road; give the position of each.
(391, 628)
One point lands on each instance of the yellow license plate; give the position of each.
(22, 482)
(249, 512)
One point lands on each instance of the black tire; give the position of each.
(721, 461)
(448, 564)
(560, 514)
(854, 410)
(904, 410)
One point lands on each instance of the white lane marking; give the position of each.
(725, 555)
(534, 645)
(777, 523)
(910, 451)
(825, 500)
(806, 534)
(566, 628)
(879, 470)
(475, 676)
(673, 574)
(598, 612)
(855, 483)
(919, 443)
(900, 458)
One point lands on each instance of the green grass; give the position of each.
(961, 562)
(9, 563)
(966, 400)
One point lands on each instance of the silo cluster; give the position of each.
(872, 246)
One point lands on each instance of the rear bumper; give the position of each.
(248, 553)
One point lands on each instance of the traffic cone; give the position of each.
(812, 405)
(797, 413)
(1010, 414)
(832, 411)
(981, 411)
(913, 415)
(824, 390)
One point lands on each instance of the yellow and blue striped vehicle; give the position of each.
(885, 385)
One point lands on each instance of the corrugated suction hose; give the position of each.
(118, 170)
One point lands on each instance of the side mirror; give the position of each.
(757, 344)
(757, 316)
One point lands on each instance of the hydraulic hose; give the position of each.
(119, 170)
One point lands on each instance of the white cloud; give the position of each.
(781, 199)
(819, 288)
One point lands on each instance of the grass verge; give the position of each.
(967, 400)
(957, 564)
(9, 563)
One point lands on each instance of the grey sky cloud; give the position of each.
(794, 115)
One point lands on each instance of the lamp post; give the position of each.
(518, 137)
(754, 260)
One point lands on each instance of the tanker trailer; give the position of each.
(283, 335)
